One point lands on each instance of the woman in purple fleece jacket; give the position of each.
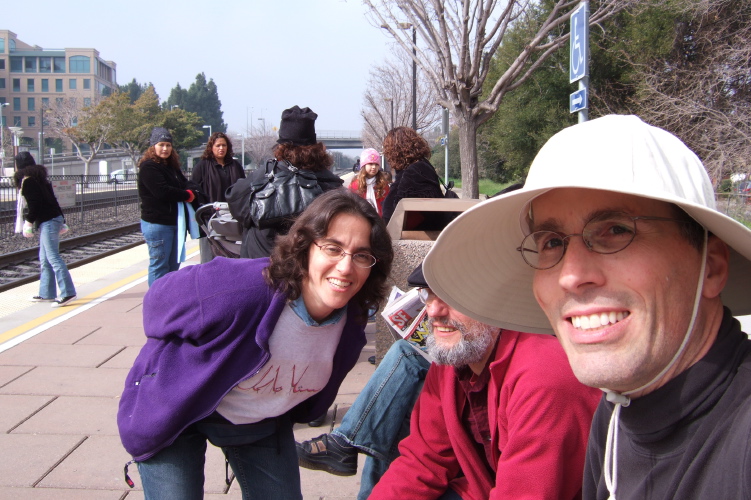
(237, 350)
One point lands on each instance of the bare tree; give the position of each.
(455, 38)
(87, 126)
(703, 93)
(260, 142)
(390, 88)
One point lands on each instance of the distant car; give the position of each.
(744, 187)
(122, 175)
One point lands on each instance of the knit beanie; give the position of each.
(370, 155)
(24, 159)
(298, 127)
(160, 134)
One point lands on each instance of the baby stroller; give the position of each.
(223, 232)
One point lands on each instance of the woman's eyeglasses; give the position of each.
(337, 253)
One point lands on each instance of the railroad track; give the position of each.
(19, 268)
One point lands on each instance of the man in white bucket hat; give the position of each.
(614, 244)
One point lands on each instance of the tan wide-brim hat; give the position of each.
(475, 265)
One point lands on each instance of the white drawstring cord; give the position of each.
(621, 400)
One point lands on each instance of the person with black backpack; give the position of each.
(297, 147)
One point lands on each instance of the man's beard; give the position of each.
(471, 348)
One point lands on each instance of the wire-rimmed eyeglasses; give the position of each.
(337, 253)
(426, 295)
(603, 234)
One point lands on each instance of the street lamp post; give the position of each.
(391, 101)
(406, 26)
(16, 131)
(208, 127)
(264, 124)
(2, 126)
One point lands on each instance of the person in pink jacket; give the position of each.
(371, 182)
(501, 416)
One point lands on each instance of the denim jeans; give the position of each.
(162, 243)
(262, 456)
(379, 417)
(53, 266)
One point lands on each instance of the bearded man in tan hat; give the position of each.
(615, 245)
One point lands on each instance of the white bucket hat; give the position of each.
(475, 266)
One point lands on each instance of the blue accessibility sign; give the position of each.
(579, 44)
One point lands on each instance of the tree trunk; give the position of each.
(468, 157)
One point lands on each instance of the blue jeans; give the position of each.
(53, 266)
(262, 456)
(379, 417)
(162, 243)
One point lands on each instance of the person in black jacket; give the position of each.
(216, 171)
(161, 187)
(297, 145)
(44, 213)
(408, 153)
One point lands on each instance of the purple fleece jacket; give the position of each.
(207, 329)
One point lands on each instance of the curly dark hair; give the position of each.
(289, 259)
(36, 172)
(403, 146)
(150, 154)
(314, 157)
(208, 153)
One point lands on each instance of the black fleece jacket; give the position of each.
(40, 198)
(160, 187)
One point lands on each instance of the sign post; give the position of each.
(579, 60)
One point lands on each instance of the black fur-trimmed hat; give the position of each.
(416, 279)
(298, 127)
(160, 134)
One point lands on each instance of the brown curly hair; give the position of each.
(314, 157)
(289, 259)
(150, 154)
(208, 153)
(403, 146)
(381, 183)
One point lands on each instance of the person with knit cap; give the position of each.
(615, 245)
(371, 183)
(298, 145)
(163, 190)
(44, 213)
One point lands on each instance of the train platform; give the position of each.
(61, 374)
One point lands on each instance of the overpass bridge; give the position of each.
(340, 139)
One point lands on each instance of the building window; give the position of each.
(45, 102)
(58, 85)
(45, 65)
(30, 85)
(72, 84)
(2, 44)
(59, 100)
(16, 64)
(16, 104)
(45, 85)
(11, 45)
(2, 63)
(58, 63)
(30, 64)
(30, 104)
(16, 121)
(32, 121)
(87, 83)
(16, 85)
(2, 83)
(80, 64)
(87, 102)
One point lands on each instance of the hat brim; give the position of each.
(476, 268)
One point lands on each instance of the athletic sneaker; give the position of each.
(37, 298)
(64, 301)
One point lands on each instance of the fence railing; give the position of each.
(90, 203)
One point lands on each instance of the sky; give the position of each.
(264, 55)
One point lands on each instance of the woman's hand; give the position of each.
(28, 229)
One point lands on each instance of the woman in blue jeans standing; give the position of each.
(162, 187)
(44, 212)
